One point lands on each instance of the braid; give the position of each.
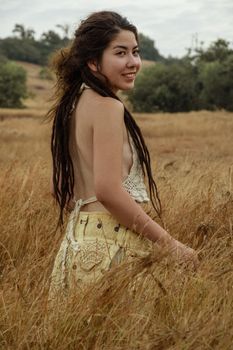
(144, 158)
(63, 174)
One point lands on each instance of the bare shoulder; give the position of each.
(108, 105)
(111, 102)
(106, 110)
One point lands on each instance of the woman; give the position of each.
(100, 157)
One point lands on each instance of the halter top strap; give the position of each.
(73, 219)
(70, 237)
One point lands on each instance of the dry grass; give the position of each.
(39, 89)
(169, 310)
(192, 160)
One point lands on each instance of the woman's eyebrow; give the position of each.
(123, 47)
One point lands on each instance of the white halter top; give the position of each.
(133, 184)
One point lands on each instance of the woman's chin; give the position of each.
(123, 87)
(127, 86)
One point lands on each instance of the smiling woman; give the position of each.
(120, 59)
(100, 157)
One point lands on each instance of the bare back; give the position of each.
(81, 149)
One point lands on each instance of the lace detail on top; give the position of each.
(134, 182)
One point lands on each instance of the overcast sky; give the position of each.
(174, 25)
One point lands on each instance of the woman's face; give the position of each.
(121, 61)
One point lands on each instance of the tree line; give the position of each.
(202, 79)
(23, 46)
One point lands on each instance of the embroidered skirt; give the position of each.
(98, 243)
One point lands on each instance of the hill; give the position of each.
(40, 92)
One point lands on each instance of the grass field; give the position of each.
(171, 309)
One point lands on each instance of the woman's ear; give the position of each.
(93, 66)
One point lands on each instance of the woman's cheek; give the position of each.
(139, 64)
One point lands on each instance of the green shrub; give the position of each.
(20, 50)
(217, 81)
(12, 85)
(45, 73)
(164, 88)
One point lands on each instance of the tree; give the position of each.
(12, 85)
(200, 81)
(65, 29)
(20, 50)
(164, 88)
(24, 33)
(49, 42)
(148, 51)
(217, 84)
(25, 48)
(219, 50)
(51, 39)
(215, 75)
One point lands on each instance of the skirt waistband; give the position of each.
(94, 215)
(102, 225)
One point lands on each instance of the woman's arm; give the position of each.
(108, 126)
(108, 123)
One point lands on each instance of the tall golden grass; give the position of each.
(170, 309)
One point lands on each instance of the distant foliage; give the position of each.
(215, 74)
(164, 88)
(200, 80)
(148, 50)
(24, 47)
(12, 85)
(217, 51)
(20, 50)
(45, 74)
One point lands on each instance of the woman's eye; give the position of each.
(121, 53)
(136, 52)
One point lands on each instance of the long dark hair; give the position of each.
(70, 64)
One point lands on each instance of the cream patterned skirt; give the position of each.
(97, 243)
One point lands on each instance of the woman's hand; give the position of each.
(184, 255)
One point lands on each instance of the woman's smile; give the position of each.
(121, 59)
(130, 76)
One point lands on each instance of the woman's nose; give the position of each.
(132, 61)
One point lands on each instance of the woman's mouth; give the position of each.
(130, 75)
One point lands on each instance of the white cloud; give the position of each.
(171, 24)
